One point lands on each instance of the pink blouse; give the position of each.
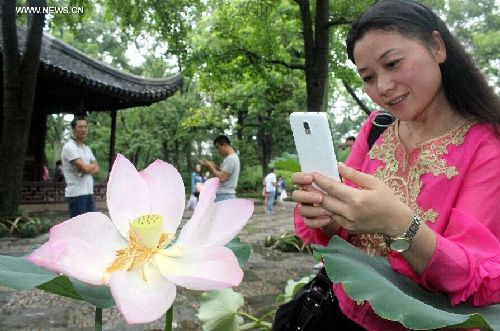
(453, 183)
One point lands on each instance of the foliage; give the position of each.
(287, 242)
(222, 310)
(287, 161)
(24, 226)
(218, 310)
(55, 137)
(368, 278)
(250, 179)
(292, 288)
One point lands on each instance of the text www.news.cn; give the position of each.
(49, 10)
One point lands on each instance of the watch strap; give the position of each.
(409, 235)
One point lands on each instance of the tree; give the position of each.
(20, 71)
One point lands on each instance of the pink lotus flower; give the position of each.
(134, 252)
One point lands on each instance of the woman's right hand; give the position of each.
(310, 199)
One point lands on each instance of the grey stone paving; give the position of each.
(265, 276)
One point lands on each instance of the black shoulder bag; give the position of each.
(315, 306)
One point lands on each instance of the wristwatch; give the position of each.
(402, 243)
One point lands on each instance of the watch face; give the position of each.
(400, 245)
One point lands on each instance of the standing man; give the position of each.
(79, 165)
(270, 190)
(229, 170)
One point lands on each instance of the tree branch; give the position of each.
(355, 97)
(287, 65)
(339, 21)
(254, 57)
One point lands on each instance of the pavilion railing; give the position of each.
(48, 192)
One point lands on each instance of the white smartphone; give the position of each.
(314, 144)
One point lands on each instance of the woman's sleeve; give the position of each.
(466, 261)
(306, 234)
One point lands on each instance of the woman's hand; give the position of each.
(370, 208)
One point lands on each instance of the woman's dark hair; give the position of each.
(464, 85)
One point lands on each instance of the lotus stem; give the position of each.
(169, 319)
(98, 319)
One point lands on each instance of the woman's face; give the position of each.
(197, 168)
(400, 74)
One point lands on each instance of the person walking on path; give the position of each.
(228, 172)
(270, 190)
(280, 192)
(197, 180)
(79, 165)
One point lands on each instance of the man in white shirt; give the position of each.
(228, 172)
(79, 165)
(270, 181)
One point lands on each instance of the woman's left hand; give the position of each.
(370, 208)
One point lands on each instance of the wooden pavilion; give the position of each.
(71, 82)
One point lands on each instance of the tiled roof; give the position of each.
(76, 73)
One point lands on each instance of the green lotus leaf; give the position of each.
(18, 273)
(62, 286)
(292, 287)
(241, 250)
(219, 310)
(395, 297)
(99, 296)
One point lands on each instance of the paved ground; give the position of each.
(265, 276)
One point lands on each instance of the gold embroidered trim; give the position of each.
(402, 171)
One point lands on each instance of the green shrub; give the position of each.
(24, 226)
(287, 243)
(250, 179)
(4, 229)
(28, 230)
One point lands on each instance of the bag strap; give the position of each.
(380, 122)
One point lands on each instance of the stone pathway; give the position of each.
(266, 274)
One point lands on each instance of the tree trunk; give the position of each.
(112, 141)
(316, 45)
(265, 140)
(19, 82)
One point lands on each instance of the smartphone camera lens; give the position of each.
(307, 128)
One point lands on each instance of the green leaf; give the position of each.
(395, 297)
(99, 296)
(241, 250)
(292, 287)
(219, 310)
(20, 274)
(61, 286)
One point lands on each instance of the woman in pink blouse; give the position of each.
(427, 194)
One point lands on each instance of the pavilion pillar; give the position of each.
(112, 141)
